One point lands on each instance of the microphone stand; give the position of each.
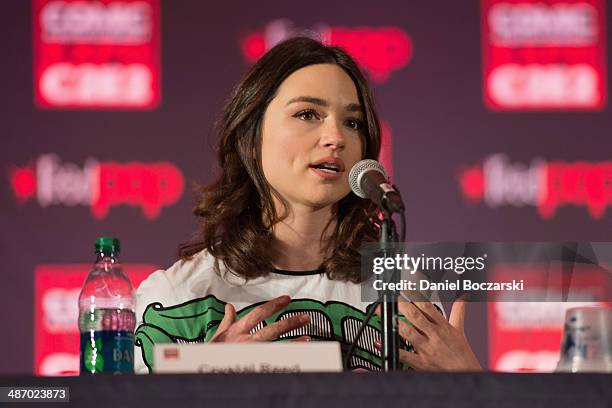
(389, 311)
(387, 198)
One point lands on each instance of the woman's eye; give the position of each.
(354, 124)
(307, 114)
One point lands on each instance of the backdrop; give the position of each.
(497, 127)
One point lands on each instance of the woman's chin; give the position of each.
(322, 201)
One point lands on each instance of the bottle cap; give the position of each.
(107, 245)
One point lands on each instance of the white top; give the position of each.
(185, 303)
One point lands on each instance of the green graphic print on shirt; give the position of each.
(197, 320)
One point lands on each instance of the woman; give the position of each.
(277, 254)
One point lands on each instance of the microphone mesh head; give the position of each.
(359, 169)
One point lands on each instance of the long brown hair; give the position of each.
(237, 211)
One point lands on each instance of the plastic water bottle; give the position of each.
(106, 314)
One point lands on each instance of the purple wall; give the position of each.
(434, 107)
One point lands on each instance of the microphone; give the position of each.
(368, 179)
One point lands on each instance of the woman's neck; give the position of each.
(298, 239)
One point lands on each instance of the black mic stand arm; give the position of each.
(389, 311)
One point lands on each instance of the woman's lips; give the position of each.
(326, 175)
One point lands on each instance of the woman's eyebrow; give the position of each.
(351, 107)
(310, 99)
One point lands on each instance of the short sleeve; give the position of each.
(155, 289)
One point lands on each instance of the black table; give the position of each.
(407, 389)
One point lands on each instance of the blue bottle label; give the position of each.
(107, 351)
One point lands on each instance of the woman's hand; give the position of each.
(439, 345)
(232, 331)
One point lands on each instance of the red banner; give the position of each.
(102, 54)
(544, 54)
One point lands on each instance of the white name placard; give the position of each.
(234, 358)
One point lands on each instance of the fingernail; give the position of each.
(304, 319)
(307, 338)
(377, 344)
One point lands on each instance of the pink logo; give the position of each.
(150, 186)
(379, 51)
(546, 185)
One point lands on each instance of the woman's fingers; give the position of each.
(416, 317)
(228, 319)
(232, 330)
(430, 312)
(275, 330)
(411, 335)
(301, 338)
(415, 361)
(438, 344)
(457, 315)
(408, 332)
(262, 312)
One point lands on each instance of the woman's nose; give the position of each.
(332, 136)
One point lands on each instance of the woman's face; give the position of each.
(312, 136)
